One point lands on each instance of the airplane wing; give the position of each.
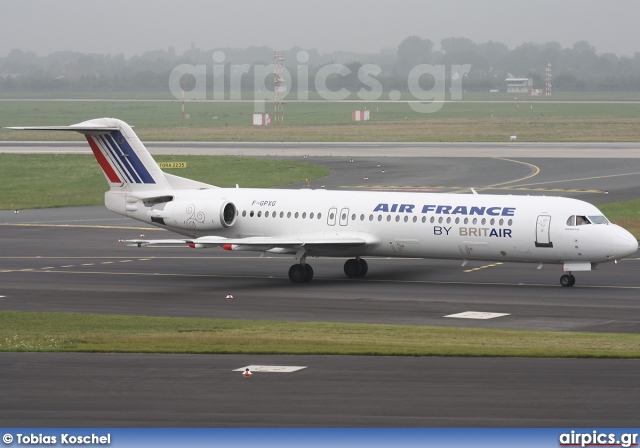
(314, 243)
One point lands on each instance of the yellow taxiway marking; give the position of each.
(365, 280)
(483, 267)
(508, 185)
(536, 171)
(504, 185)
(49, 268)
(461, 189)
(78, 226)
(578, 179)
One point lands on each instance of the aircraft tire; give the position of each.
(309, 273)
(567, 280)
(352, 268)
(364, 268)
(297, 273)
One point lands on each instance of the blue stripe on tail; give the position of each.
(128, 159)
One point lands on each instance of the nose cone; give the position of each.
(623, 243)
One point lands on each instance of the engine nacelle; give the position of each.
(195, 215)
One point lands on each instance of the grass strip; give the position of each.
(70, 332)
(66, 180)
(536, 121)
(625, 214)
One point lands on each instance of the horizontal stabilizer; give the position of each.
(83, 129)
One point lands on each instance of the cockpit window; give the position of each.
(581, 220)
(598, 219)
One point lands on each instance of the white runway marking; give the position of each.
(271, 369)
(477, 315)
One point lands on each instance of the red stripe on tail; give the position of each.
(104, 163)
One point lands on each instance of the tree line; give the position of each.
(579, 68)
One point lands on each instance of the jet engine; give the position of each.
(195, 215)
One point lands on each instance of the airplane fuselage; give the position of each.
(424, 225)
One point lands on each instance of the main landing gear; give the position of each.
(300, 273)
(303, 273)
(567, 280)
(356, 267)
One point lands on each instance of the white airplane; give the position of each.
(319, 223)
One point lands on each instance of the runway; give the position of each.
(149, 390)
(70, 260)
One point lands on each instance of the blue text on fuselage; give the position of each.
(447, 209)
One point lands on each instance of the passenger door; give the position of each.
(543, 234)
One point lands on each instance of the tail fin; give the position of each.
(126, 163)
(124, 159)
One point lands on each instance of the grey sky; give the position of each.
(131, 27)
